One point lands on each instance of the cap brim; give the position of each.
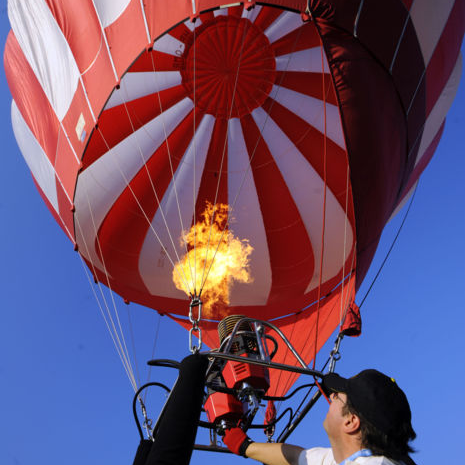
(332, 382)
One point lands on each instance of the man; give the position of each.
(368, 422)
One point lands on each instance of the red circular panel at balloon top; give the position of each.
(228, 66)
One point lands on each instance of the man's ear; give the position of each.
(351, 423)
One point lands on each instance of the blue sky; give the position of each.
(64, 396)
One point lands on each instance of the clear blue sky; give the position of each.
(64, 397)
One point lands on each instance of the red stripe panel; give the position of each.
(127, 37)
(180, 32)
(267, 17)
(78, 108)
(99, 81)
(156, 61)
(66, 165)
(125, 227)
(78, 20)
(161, 16)
(303, 38)
(236, 11)
(66, 208)
(115, 124)
(310, 84)
(215, 174)
(311, 144)
(291, 254)
(207, 16)
(445, 55)
(31, 100)
(425, 159)
(67, 213)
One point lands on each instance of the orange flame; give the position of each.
(215, 259)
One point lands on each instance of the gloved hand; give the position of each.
(236, 441)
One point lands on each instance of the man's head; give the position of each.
(381, 406)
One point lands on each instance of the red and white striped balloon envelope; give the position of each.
(288, 141)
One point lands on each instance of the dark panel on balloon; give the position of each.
(380, 28)
(376, 137)
(408, 68)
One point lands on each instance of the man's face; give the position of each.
(335, 417)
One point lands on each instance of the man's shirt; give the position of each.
(324, 456)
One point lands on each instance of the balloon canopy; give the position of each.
(268, 144)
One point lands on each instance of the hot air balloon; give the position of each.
(245, 156)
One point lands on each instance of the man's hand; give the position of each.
(237, 441)
(269, 453)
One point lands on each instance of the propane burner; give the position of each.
(235, 388)
(226, 326)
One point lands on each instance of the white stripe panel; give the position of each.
(440, 109)
(403, 201)
(251, 14)
(110, 10)
(107, 177)
(137, 85)
(307, 190)
(190, 25)
(36, 159)
(308, 60)
(181, 191)
(429, 19)
(221, 12)
(285, 23)
(312, 110)
(46, 50)
(248, 222)
(169, 45)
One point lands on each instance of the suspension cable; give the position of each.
(391, 247)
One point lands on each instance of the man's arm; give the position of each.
(274, 453)
(268, 453)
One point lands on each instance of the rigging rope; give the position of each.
(119, 336)
(390, 248)
(155, 340)
(108, 317)
(133, 345)
(323, 227)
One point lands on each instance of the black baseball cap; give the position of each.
(376, 397)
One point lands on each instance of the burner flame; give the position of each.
(215, 259)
